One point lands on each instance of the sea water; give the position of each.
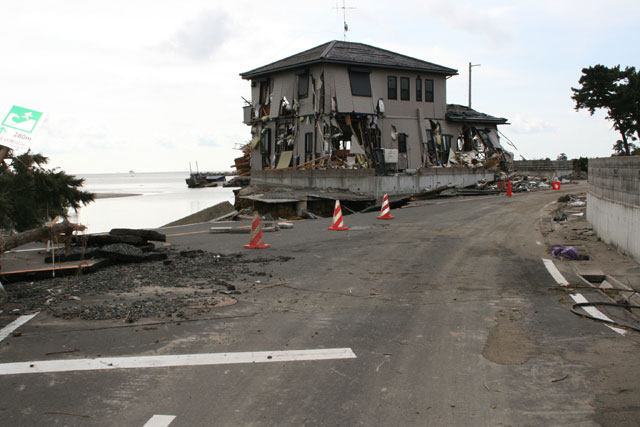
(152, 200)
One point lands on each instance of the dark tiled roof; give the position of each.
(342, 52)
(460, 113)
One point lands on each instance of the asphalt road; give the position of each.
(450, 313)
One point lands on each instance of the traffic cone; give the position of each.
(255, 241)
(509, 193)
(385, 210)
(338, 224)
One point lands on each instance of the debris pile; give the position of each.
(242, 165)
(90, 252)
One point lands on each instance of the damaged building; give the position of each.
(353, 107)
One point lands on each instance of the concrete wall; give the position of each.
(548, 168)
(364, 180)
(613, 202)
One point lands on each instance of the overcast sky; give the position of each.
(153, 85)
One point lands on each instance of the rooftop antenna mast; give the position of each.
(344, 17)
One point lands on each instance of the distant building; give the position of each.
(351, 105)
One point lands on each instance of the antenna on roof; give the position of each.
(344, 16)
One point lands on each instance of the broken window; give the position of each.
(404, 88)
(418, 89)
(303, 84)
(402, 143)
(428, 90)
(284, 137)
(360, 83)
(392, 87)
(265, 91)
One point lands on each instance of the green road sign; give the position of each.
(22, 119)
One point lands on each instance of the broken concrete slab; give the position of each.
(109, 239)
(214, 212)
(151, 235)
(124, 253)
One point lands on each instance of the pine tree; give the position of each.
(31, 195)
(618, 92)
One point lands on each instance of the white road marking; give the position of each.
(7, 330)
(160, 421)
(594, 312)
(579, 298)
(551, 267)
(66, 365)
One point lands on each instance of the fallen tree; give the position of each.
(46, 232)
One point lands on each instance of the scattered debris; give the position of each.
(557, 380)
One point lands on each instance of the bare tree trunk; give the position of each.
(3, 152)
(625, 143)
(38, 234)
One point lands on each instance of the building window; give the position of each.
(428, 90)
(303, 84)
(360, 83)
(265, 92)
(404, 88)
(418, 89)
(392, 87)
(308, 143)
(402, 143)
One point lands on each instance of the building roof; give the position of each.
(462, 114)
(348, 53)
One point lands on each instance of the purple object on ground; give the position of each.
(568, 252)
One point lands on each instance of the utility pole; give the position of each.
(471, 66)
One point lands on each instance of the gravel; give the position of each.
(183, 285)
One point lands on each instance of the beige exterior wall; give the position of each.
(401, 114)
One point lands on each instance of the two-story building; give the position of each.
(351, 105)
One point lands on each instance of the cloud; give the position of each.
(200, 38)
(208, 142)
(530, 125)
(477, 20)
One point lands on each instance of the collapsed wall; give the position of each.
(613, 202)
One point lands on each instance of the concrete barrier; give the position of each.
(364, 180)
(613, 202)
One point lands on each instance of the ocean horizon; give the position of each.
(143, 200)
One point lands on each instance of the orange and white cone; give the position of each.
(255, 241)
(338, 224)
(385, 210)
(509, 193)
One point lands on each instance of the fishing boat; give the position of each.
(203, 179)
(199, 179)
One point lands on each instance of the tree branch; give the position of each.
(45, 232)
